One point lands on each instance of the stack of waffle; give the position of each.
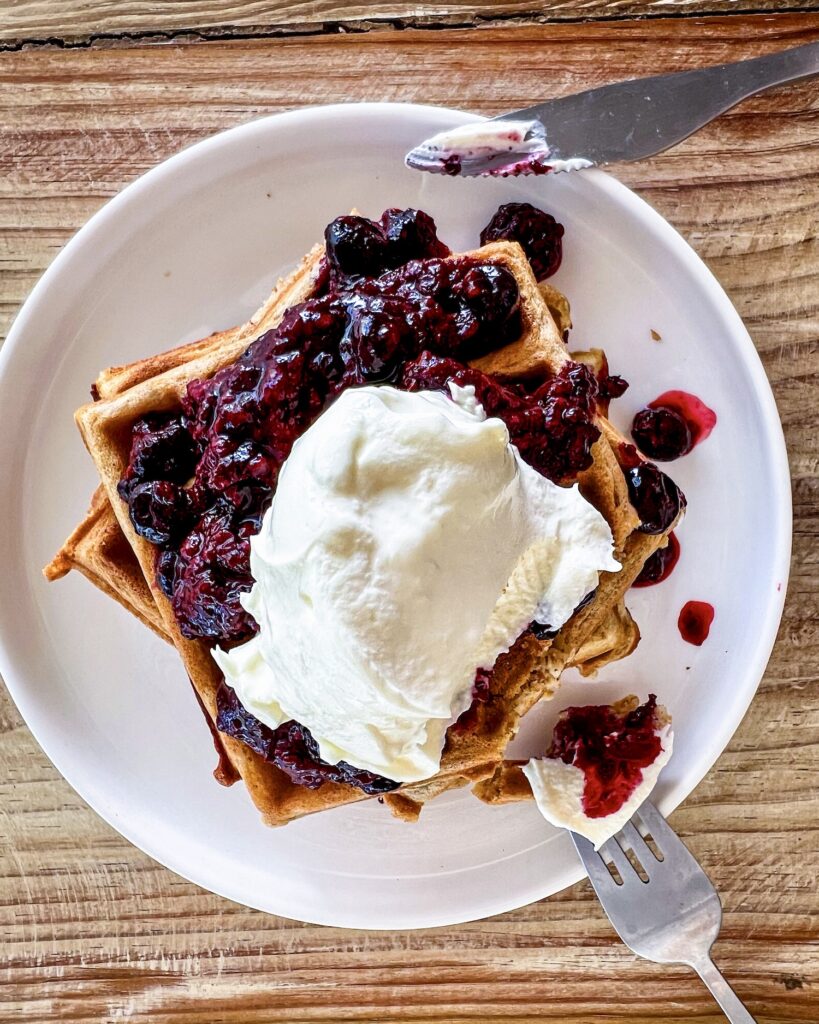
(107, 550)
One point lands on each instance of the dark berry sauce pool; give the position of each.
(660, 565)
(695, 622)
(391, 305)
(610, 749)
(655, 497)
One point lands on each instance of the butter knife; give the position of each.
(623, 121)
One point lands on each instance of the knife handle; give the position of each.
(747, 77)
(667, 109)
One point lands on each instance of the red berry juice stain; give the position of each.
(695, 622)
(700, 418)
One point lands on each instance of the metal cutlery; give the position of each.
(624, 121)
(662, 905)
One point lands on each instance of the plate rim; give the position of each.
(624, 197)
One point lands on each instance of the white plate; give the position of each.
(194, 246)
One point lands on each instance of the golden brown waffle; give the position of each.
(526, 674)
(616, 638)
(509, 785)
(558, 306)
(99, 550)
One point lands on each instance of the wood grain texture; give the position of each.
(78, 22)
(92, 930)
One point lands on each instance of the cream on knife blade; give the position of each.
(499, 147)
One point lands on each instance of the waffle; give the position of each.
(100, 551)
(529, 672)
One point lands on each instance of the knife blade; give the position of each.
(627, 120)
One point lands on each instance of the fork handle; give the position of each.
(729, 1002)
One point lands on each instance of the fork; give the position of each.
(664, 906)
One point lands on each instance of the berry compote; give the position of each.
(661, 433)
(611, 749)
(552, 423)
(655, 497)
(538, 233)
(657, 500)
(291, 747)
(357, 247)
(391, 305)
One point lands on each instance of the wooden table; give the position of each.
(92, 929)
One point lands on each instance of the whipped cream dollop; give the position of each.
(558, 791)
(407, 546)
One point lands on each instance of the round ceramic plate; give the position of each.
(194, 246)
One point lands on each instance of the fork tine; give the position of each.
(611, 850)
(639, 846)
(596, 868)
(677, 858)
(656, 824)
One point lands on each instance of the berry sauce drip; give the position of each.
(291, 747)
(391, 306)
(660, 565)
(672, 425)
(224, 772)
(538, 233)
(695, 621)
(610, 749)
(531, 163)
(628, 456)
(700, 419)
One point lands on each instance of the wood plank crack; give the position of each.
(562, 15)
